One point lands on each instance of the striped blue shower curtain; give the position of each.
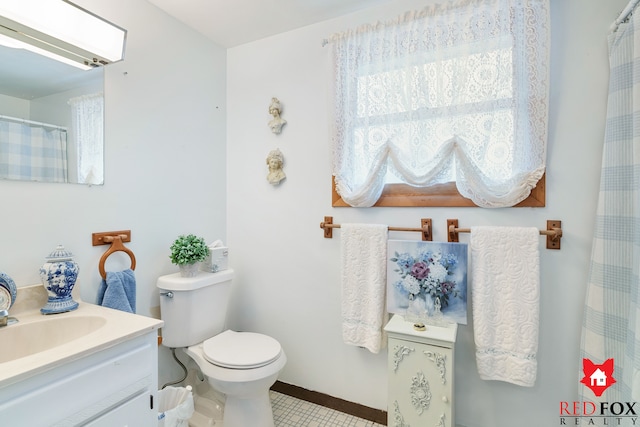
(611, 327)
(32, 153)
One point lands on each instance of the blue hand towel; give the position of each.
(118, 291)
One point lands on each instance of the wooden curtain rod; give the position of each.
(553, 231)
(327, 225)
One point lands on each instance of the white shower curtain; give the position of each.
(610, 326)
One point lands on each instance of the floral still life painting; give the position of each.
(429, 275)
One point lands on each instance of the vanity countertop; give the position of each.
(117, 327)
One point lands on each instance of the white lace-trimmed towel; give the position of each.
(505, 274)
(364, 281)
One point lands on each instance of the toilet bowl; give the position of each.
(241, 365)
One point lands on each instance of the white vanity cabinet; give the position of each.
(113, 387)
(420, 370)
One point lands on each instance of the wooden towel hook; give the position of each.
(115, 239)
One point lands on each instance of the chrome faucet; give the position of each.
(5, 320)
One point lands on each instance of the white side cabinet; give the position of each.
(420, 375)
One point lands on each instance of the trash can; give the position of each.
(175, 406)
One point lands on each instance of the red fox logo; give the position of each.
(598, 377)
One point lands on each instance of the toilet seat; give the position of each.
(241, 350)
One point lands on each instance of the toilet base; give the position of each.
(247, 400)
(242, 412)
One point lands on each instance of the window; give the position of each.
(449, 100)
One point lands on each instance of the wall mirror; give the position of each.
(51, 120)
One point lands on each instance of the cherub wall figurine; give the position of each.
(275, 109)
(275, 161)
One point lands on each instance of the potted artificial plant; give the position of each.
(187, 252)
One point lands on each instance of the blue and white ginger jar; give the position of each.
(58, 275)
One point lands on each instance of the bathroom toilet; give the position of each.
(241, 365)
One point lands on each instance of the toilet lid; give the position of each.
(241, 350)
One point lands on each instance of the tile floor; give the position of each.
(291, 412)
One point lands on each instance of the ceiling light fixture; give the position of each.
(16, 44)
(65, 31)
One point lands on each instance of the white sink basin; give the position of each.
(41, 343)
(24, 339)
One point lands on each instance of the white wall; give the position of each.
(288, 275)
(14, 107)
(55, 109)
(165, 162)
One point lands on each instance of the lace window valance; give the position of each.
(455, 92)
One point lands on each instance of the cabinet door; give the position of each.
(420, 385)
(85, 388)
(134, 413)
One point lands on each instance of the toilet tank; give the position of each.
(197, 309)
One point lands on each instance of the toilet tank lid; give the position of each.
(175, 282)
